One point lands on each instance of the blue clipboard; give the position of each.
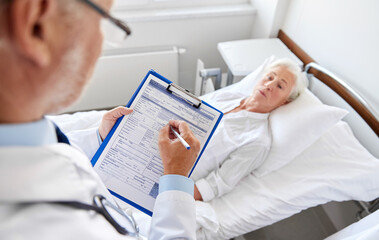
(177, 92)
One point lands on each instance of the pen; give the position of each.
(180, 138)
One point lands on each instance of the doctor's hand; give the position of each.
(176, 158)
(110, 118)
(197, 194)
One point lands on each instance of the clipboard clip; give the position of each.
(184, 94)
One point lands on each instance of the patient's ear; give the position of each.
(29, 29)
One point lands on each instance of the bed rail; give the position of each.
(335, 83)
(348, 94)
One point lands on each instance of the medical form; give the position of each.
(128, 161)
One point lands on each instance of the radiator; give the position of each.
(119, 72)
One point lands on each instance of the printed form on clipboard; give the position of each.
(128, 161)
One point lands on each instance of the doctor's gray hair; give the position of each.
(301, 81)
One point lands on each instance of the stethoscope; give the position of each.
(121, 221)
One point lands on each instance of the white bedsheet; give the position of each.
(335, 168)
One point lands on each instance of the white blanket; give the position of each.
(335, 168)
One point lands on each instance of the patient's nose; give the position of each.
(268, 86)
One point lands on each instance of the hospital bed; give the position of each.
(334, 166)
(335, 157)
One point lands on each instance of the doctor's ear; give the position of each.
(30, 29)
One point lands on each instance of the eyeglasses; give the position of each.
(116, 32)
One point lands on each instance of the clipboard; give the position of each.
(128, 160)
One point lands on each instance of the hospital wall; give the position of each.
(196, 30)
(343, 36)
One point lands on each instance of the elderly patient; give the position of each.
(244, 130)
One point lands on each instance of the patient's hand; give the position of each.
(110, 118)
(197, 194)
(176, 158)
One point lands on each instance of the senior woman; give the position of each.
(244, 130)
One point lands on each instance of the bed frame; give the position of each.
(332, 90)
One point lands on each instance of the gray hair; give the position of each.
(301, 81)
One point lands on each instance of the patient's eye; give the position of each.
(280, 86)
(270, 77)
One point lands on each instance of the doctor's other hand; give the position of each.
(110, 118)
(176, 158)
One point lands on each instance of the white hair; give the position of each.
(301, 81)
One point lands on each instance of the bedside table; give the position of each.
(244, 56)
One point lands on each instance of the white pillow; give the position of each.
(295, 127)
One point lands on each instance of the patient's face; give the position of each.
(274, 89)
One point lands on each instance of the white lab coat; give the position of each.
(239, 145)
(60, 172)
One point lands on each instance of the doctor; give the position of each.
(48, 190)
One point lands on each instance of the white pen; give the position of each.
(180, 138)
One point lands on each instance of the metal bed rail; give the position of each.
(351, 96)
(343, 84)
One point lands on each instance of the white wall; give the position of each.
(199, 35)
(343, 36)
(269, 19)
